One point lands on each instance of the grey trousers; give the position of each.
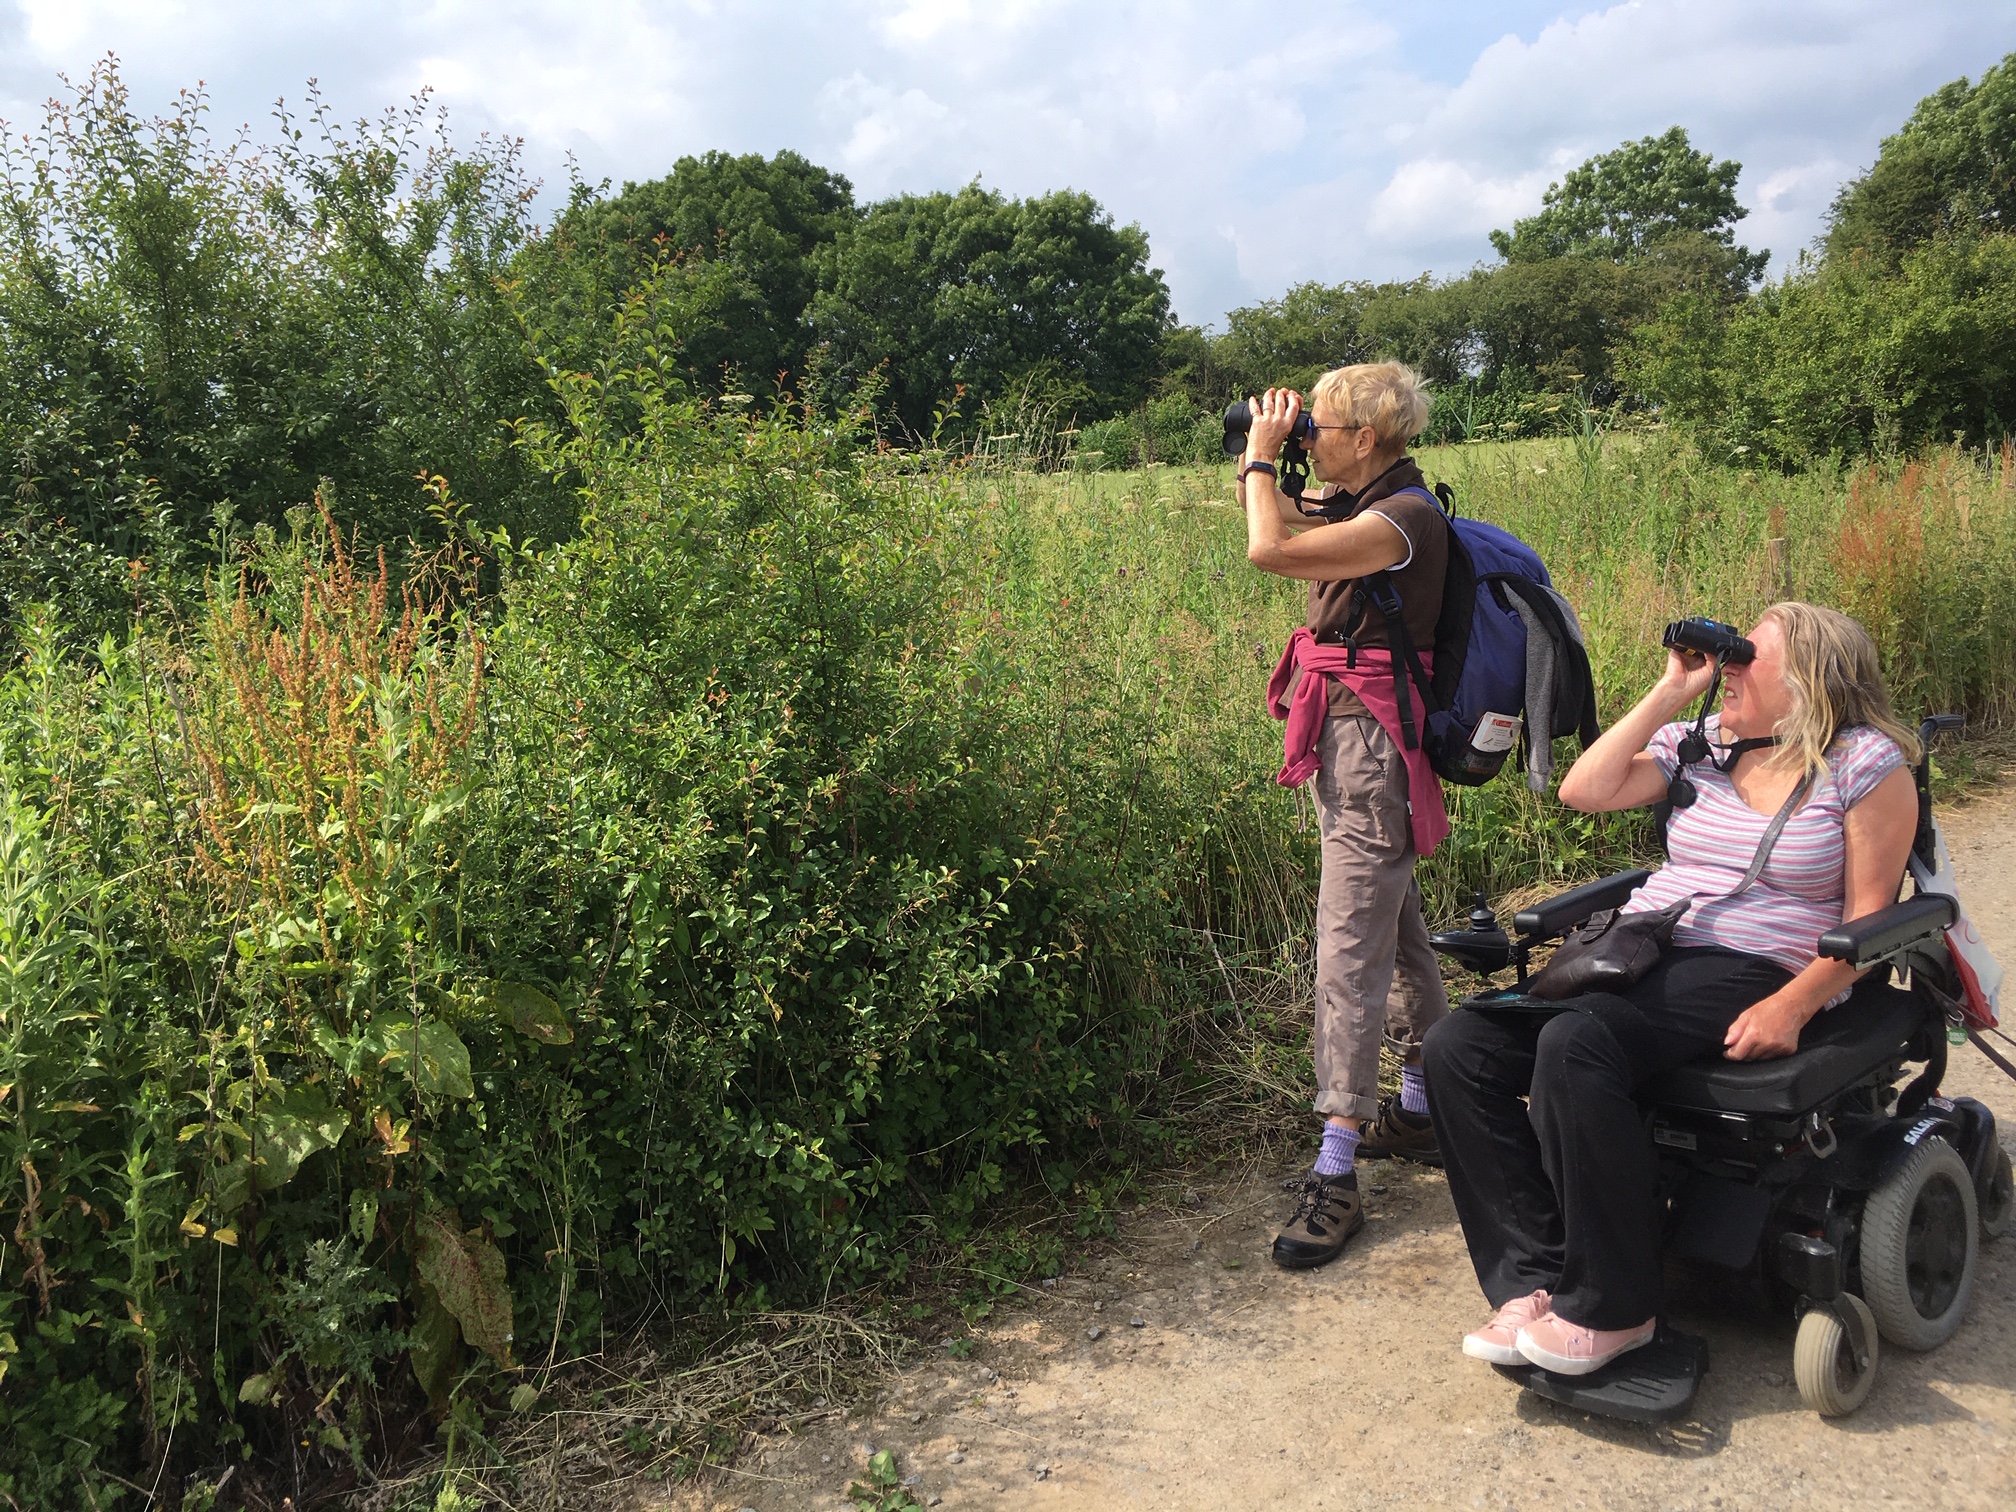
(1371, 941)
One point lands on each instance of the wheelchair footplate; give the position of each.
(1654, 1383)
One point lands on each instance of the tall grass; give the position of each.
(1133, 591)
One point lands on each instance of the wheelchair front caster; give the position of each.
(1998, 1203)
(1834, 1377)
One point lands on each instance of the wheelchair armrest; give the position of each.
(1877, 937)
(1564, 911)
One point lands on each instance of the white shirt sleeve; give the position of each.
(1403, 536)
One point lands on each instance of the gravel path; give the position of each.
(1217, 1381)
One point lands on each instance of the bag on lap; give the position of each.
(1608, 952)
(1508, 658)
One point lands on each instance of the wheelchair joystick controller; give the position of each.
(1482, 920)
(1483, 947)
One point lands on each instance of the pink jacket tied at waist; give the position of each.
(1372, 680)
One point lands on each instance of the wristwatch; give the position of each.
(1265, 467)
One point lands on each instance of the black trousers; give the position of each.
(1550, 1160)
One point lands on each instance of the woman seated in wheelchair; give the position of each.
(1550, 1162)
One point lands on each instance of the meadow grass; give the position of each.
(1137, 585)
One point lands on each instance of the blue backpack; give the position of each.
(1481, 652)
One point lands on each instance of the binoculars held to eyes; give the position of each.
(1707, 637)
(1239, 421)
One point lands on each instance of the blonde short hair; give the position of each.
(1835, 678)
(1388, 396)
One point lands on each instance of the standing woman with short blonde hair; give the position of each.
(1380, 803)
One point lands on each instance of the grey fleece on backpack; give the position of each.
(1542, 677)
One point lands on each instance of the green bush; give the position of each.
(193, 334)
(1846, 358)
(423, 985)
(1168, 429)
(1476, 409)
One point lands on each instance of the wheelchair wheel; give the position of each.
(1919, 1240)
(1824, 1367)
(1998, 1203)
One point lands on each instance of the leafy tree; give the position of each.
(1951, 167)
(1846, 358)
(998, 296)
(761, 220)
(1621, 204)
(1293, 339)
(1429, 325)
(187, 329)
(1554, 322)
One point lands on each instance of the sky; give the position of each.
(1258, 144)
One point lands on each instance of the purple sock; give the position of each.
(1413, 1091)
(1339, 1150)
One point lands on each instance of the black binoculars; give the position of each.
(1239, 420)
(1709, 637)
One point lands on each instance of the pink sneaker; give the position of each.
(1553, 1343)
(1498, 1340)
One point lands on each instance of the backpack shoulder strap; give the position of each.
(1379, 587)
(1406, 658)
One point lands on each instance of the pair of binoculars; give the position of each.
(1707, 637)
(1239, 420)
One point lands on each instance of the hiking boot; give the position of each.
(1327, 1212)
(1410, 1136)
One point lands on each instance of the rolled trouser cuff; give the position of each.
(1347, 1105)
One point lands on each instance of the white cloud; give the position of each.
(886, 131)
(1435, 197)
(1797, 92)
(1258, 143)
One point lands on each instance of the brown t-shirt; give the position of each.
(1341, 606)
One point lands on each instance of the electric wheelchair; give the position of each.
(1825, 1183)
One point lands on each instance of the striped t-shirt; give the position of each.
(1803, 888)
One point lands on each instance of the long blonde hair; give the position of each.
(1835, 678)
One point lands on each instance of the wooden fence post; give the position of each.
(1778, 555)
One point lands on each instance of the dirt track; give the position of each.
(1218, 1381)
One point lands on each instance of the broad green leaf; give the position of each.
(434, 1060)
(289, 1129)
(531, 1012)
(234, 1186)
(363, 1214)
(439, 807)
(255, 1389)
(466, 1271)
(434, 1340)
(340, 1050)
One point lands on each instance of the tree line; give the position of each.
(1628, 289)
(194, 335)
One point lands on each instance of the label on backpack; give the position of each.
(1495, 732)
